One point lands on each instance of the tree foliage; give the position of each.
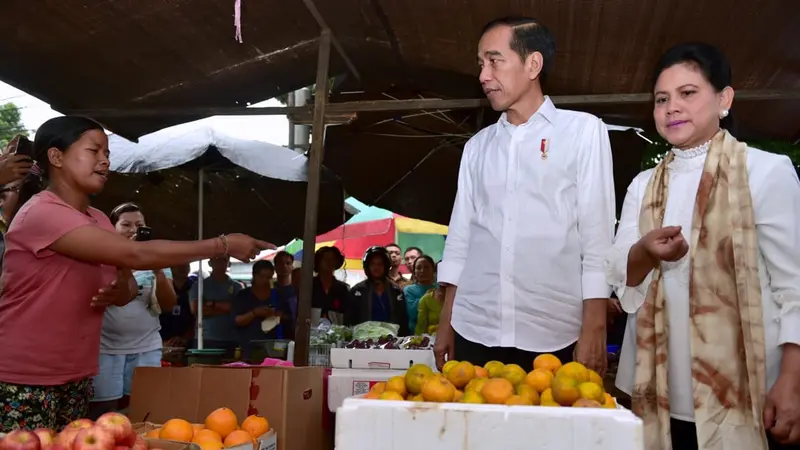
(10, 123)
(656, 151)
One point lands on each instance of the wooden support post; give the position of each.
(303, 328)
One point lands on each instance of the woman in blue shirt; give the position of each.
(424, 281)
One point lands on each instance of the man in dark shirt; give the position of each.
(251, 306)
(177, 325)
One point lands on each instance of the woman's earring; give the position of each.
(723, 114)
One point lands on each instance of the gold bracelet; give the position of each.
(224, 240)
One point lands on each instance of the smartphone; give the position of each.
(144, 234)
(24, 147)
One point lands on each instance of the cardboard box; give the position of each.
(268, 441)
(368, 358)
(290, 398)
(346, 383)
(162, 444)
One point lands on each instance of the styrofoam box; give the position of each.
(345, 383)
(394, 425)
(394, 359)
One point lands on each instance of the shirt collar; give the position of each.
(547, 110)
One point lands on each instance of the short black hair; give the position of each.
(528, 36)
(284, 254)
(709, 60)
(393, 245)
(414, 249)
(263, 265)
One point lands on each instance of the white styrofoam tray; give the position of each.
(394, 425)
(345, 383)
(395, 359)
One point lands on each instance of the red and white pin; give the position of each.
(544, 147)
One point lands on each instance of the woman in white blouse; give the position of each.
(706, 262)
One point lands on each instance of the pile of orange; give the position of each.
(220, 430)
(549, 384)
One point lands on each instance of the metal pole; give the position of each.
(312, 202)
(200, 302)
(290, 102)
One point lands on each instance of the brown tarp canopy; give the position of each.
(82, 54)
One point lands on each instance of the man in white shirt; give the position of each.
(532, 221)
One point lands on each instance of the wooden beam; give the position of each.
(312, 8)
(330, 118)
(403, 105)
(303, 328)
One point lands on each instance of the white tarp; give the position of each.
(174, 146)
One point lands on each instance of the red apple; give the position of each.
(21, 440)
(67, 437)
(46, 437)
(119, 427)
(94, 438)
(80, 424)
(122, 447)
(57, 446)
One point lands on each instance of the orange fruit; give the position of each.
(438, 389)
(592, 391)
(415, 377)
(153, 434)
(497, 390)
(480, 372)
(472, 397)
(223, 421)
(372, 395)
(210, 445)
(476, 384)
(595, 378)
(177, 430)
(238, 437)
(391, 395)
(513, 373)
(546, 399)
(197, 427)
(539, 379)
(458, 396)
(494, 368)
(565, 391)
(205, 435)
(255, 425)
(397, 384)
(548, 362)
(461, 374)
(518, 400)
(527, 392)
(609, 402)
(448, 365)
(378, 387)
(574, 370)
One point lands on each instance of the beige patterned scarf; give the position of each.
(726, 322)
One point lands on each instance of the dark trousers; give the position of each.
(479, 354)
(684, 437)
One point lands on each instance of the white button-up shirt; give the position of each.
(528, 235)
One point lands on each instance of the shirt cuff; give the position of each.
(594, 285)
(631, 298)
(789, 317)
(449, 271)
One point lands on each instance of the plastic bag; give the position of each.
(374, 330)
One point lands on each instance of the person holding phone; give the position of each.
(130, 336)
(15, 163)
(66, 264)
(251, 306)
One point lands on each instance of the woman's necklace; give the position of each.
(689, 153)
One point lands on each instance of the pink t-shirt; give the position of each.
(49, 333)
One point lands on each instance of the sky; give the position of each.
(272, 129)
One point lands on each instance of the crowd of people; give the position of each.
(705, 262)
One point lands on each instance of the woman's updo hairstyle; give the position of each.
(706, 58)
(59, 133)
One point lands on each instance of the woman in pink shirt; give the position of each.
(64, 264)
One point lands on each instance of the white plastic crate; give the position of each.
(394, 425)
(392, 359)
